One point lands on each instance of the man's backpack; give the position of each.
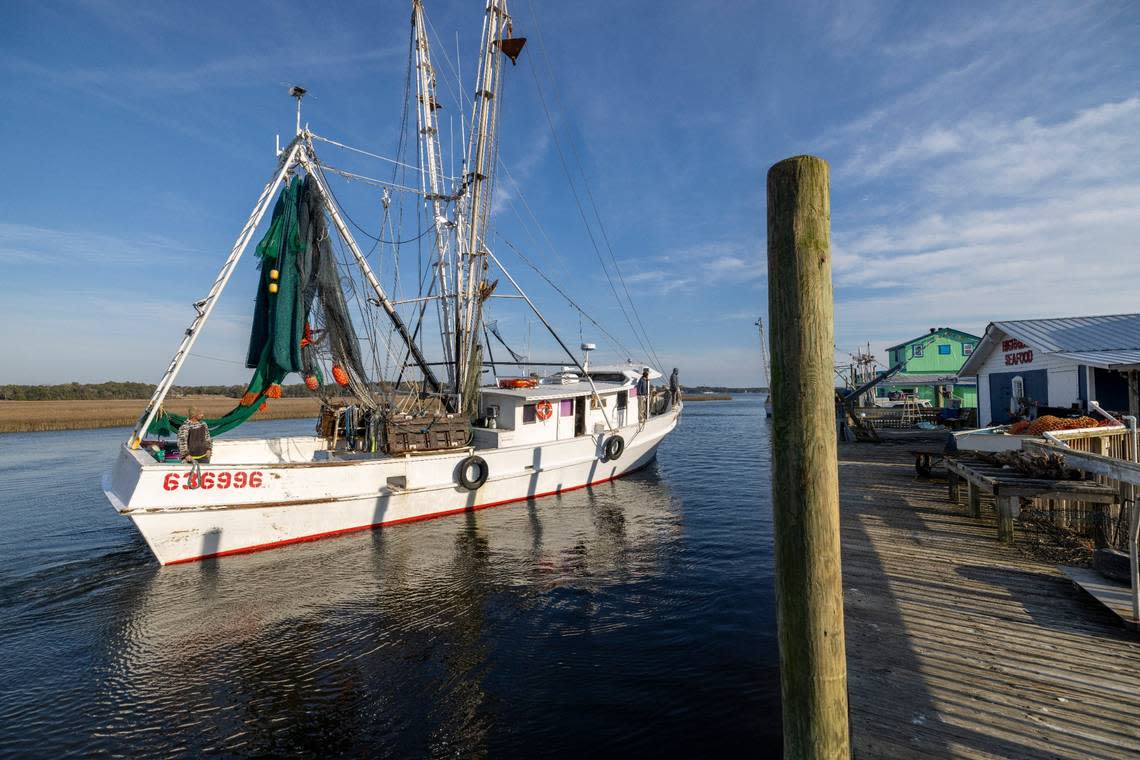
(196, 441)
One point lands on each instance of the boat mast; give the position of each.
(475, 208)
(431, 180)
(764, 354)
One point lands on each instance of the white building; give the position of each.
(1056, 364)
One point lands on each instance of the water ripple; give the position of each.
(636, 614)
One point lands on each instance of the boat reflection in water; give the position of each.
(415, 638)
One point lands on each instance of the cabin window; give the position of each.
(944, 349)
(623, 399)
(595, 405)
(919, 350)
(967, 349)
(567, 406)
(528, 414)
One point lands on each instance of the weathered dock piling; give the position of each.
(805, 488)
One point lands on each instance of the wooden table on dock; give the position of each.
(1009, 486)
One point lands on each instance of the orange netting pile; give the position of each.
(1047, 423)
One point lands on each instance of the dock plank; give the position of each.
(959, 646)
(1115, 596)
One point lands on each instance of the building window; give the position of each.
(944, 349)
(567, 407)
(528, 414)
(967, 349)
(919, 350)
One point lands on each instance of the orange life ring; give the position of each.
(517, 382)
(543, 410)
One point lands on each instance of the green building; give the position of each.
(931, 368)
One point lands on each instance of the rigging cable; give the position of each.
(562, 293)
(398, 164)
(585, 180)
(352, 221)
(585, 219)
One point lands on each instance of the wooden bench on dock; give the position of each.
(1008, 487)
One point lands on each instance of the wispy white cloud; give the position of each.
(703, 265)
(172, 80)
(989, 156)
(517, 170)
(91, 336)
(51, 247)
(1026, 219)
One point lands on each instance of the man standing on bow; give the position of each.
(643, 395)
(675, 387)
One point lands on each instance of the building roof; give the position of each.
(930, 379)
(1126, 358)
(1110, 341)
(934, 332)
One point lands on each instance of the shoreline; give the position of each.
(49, 416)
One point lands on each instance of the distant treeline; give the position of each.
(126, 390)
(720, 389)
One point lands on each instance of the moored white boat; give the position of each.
(388, 449)
(261, 493)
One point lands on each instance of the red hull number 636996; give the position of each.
(175, 480)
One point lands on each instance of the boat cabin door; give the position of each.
(579, 416)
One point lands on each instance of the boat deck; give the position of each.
(960, 646)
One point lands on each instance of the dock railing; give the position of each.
(1110, 456)
(1085, 519)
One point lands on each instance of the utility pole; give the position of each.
(805, 483)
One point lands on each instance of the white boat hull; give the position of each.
(284, 501)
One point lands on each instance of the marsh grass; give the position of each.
(38, 416)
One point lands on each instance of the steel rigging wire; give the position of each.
(577, 201)
(562, 293)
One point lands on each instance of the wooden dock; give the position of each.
(960, 646)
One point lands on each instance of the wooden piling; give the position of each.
(805, 489)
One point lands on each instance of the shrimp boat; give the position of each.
(406, 431)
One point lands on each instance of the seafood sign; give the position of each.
(1016, 352)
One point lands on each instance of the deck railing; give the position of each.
(1114, 464)
(1101, 525)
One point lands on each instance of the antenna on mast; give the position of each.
(298, 92)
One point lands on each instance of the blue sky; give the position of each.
(985, 163)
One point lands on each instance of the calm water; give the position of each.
(634, 617)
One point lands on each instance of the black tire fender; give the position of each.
(480, 465)
(613, 449)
